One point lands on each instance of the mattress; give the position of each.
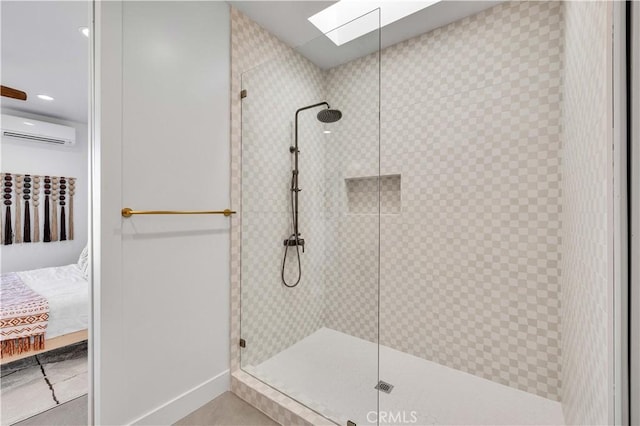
(68, 294)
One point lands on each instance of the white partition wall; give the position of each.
(634, 220)
(162, 143)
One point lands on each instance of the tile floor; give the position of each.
(32, 385)
(227, 410)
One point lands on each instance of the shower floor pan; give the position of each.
(336, 374)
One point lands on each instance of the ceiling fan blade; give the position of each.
(13, 93)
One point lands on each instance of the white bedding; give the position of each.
(68, 295)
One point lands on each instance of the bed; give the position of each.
(67, 292)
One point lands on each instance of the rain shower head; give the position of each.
(325, 116)
(329, 115)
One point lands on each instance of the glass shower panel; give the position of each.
(310, 223)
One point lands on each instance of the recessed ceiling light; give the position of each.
(45, 97)
(326, 132)
(84, 31)
(28, 123)
(347, 20)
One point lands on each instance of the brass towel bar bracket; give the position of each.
(127, 212)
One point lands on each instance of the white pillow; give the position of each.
(83, 262)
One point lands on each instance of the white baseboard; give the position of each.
(177, 408)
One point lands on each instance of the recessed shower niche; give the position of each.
(362, 194)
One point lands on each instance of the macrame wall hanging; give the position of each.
(21, 216)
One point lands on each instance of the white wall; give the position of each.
(41, 159)
(162, 282)
(635, 220)
(586, 159)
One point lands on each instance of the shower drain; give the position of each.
(384, 386)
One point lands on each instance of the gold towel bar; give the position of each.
(127, 212)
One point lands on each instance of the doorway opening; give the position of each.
(44, 223)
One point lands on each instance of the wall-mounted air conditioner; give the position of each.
(27, 130)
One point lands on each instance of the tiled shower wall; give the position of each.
(470, 267)
(275, 317)
(472, 240)
(252, 46)
(586, 141)
(352, 165)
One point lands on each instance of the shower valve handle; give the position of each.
(292, 242)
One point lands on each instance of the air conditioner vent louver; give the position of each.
(34, 138)
(28, 130)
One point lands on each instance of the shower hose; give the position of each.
(294, 236)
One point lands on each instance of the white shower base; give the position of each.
(334, 374)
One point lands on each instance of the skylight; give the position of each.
(333, 20)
